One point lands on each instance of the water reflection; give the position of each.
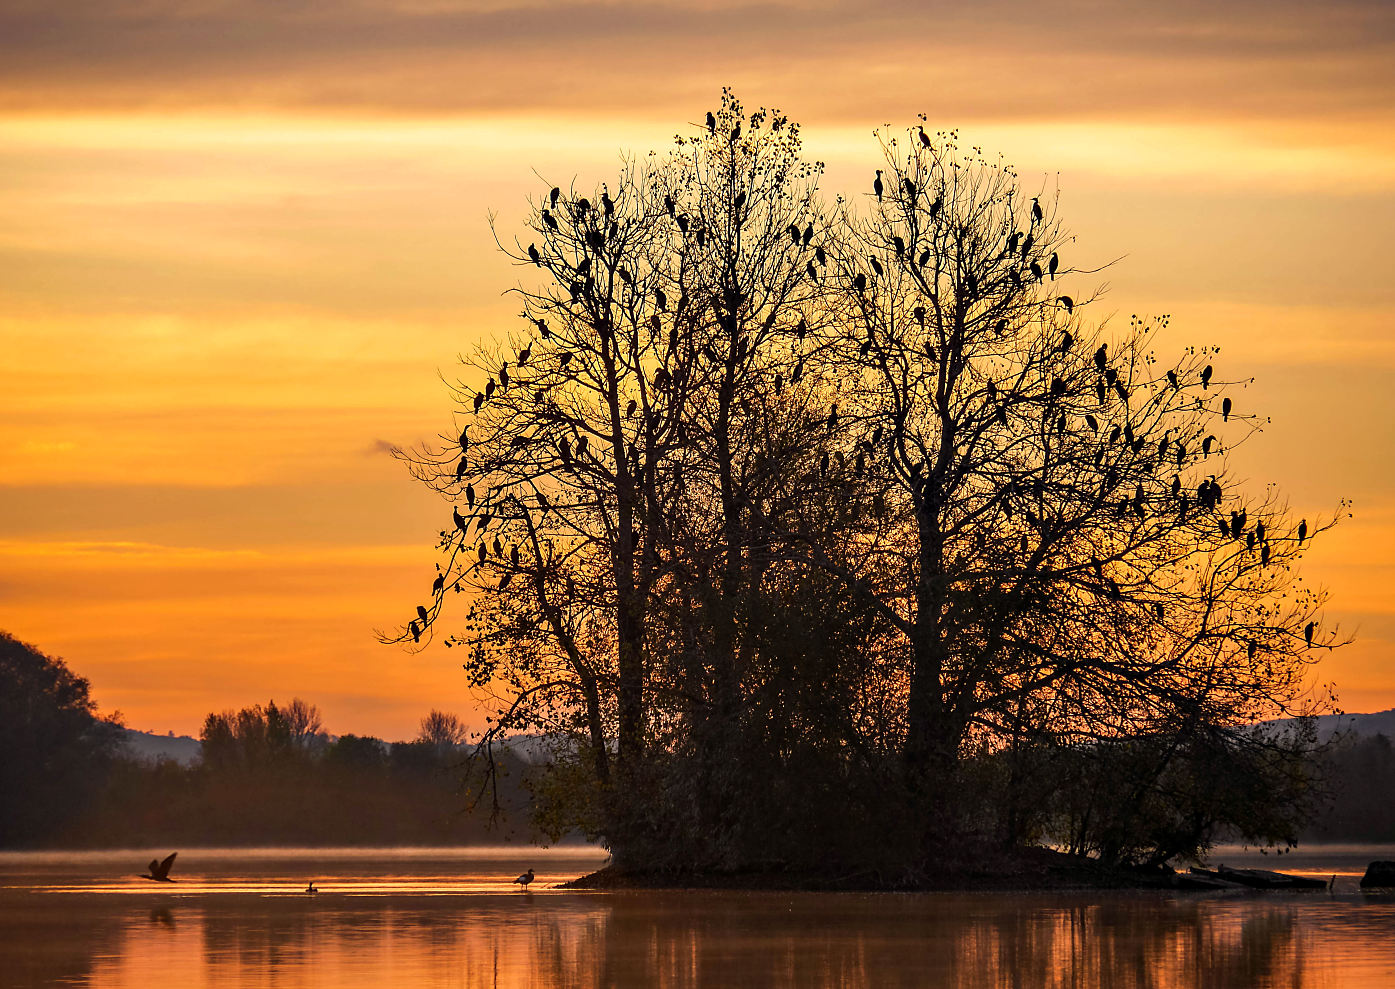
(682, 940)
(380, 925)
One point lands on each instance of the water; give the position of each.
(450, 917)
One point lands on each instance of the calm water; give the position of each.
(449, 917)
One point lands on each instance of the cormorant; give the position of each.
(877, 185)
(160, 871)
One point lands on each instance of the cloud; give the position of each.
(1011, 59)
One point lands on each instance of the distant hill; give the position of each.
(150, 747)
(1381, 723)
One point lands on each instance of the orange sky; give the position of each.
(239, 237)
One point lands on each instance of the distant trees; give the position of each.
(777, 508)
(258, 736)
(54, 749)
(267, 778)
(442, 731)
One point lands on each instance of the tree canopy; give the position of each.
(811, 529)
(54, 749)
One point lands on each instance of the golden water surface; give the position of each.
(452, 917)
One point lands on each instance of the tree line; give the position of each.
(817, 530)
(267, 775)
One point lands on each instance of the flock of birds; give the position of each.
(159, 871)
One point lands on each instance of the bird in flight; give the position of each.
(525, 879)
(160, 871)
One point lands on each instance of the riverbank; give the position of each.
(995, 870)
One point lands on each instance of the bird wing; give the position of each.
(153, 866)
(523, 878)
(164, 868)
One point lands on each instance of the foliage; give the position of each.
(780, 510)
(54, 749)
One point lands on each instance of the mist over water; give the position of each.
(451, 917)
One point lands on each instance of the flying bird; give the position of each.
(160, 871)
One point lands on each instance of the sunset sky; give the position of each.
(239, 238)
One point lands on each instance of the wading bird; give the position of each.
(525, 879)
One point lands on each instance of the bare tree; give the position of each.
(442, 730)
(1064, 524)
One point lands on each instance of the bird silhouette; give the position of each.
(711, 129)
(924, 138)
(1052, 265)
(415, 629)
(1308, 631)
(909, 186)
(1036, 210)
(1206, 376)
(1302, 531)
(1172, 380)
(1225, 411)
(877, 185)
(160, 871)
(438, 583)
(310, 887)
(421, 612)
(528, 877)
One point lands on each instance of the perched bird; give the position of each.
(528, 877)
(1225, 411)
(711, 129)
(554, 195)
(160, 871)
(877, 185)
(1172, 379)
(438, 583)
(1036, 210)
(1307, 634)
(534, 255)
(1052, 265)
(421, 612)
(415, 629)
(924, 138)
(1302, 531)
(1206, 376)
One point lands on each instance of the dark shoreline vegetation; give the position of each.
(271, 778)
